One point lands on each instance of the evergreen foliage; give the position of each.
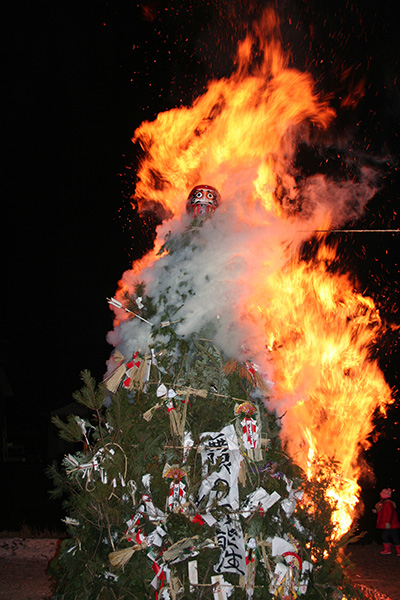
(123, 523)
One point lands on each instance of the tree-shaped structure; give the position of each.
(180, 486)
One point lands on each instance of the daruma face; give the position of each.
(202, 200)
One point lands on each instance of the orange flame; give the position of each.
(245, 121)
(314, 332)
(323, 334)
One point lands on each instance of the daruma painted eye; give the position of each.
(202, 200)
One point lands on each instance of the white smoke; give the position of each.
(241, 243)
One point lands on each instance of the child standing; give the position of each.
(388, 522)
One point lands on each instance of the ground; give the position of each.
(376, 572)
(23, 564)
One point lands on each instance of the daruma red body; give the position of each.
(202, 200)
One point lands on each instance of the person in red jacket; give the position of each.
(388, 522)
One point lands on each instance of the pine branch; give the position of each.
(90, 395)
(69, 431)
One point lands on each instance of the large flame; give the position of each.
(305, 324)
(245, 122)
(322, 335)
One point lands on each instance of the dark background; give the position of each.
(79, 78)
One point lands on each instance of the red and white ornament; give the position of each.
(250, 433)
(177, 494)
(202, 200)
(249, 425)
(130, 365)
(177, 489)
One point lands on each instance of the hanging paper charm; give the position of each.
(249, 425)
(177, 488)
(168, 395)
(251, 546)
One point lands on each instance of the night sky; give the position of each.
(79, 78)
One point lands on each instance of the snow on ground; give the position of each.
(23, 564)
(29, 549)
